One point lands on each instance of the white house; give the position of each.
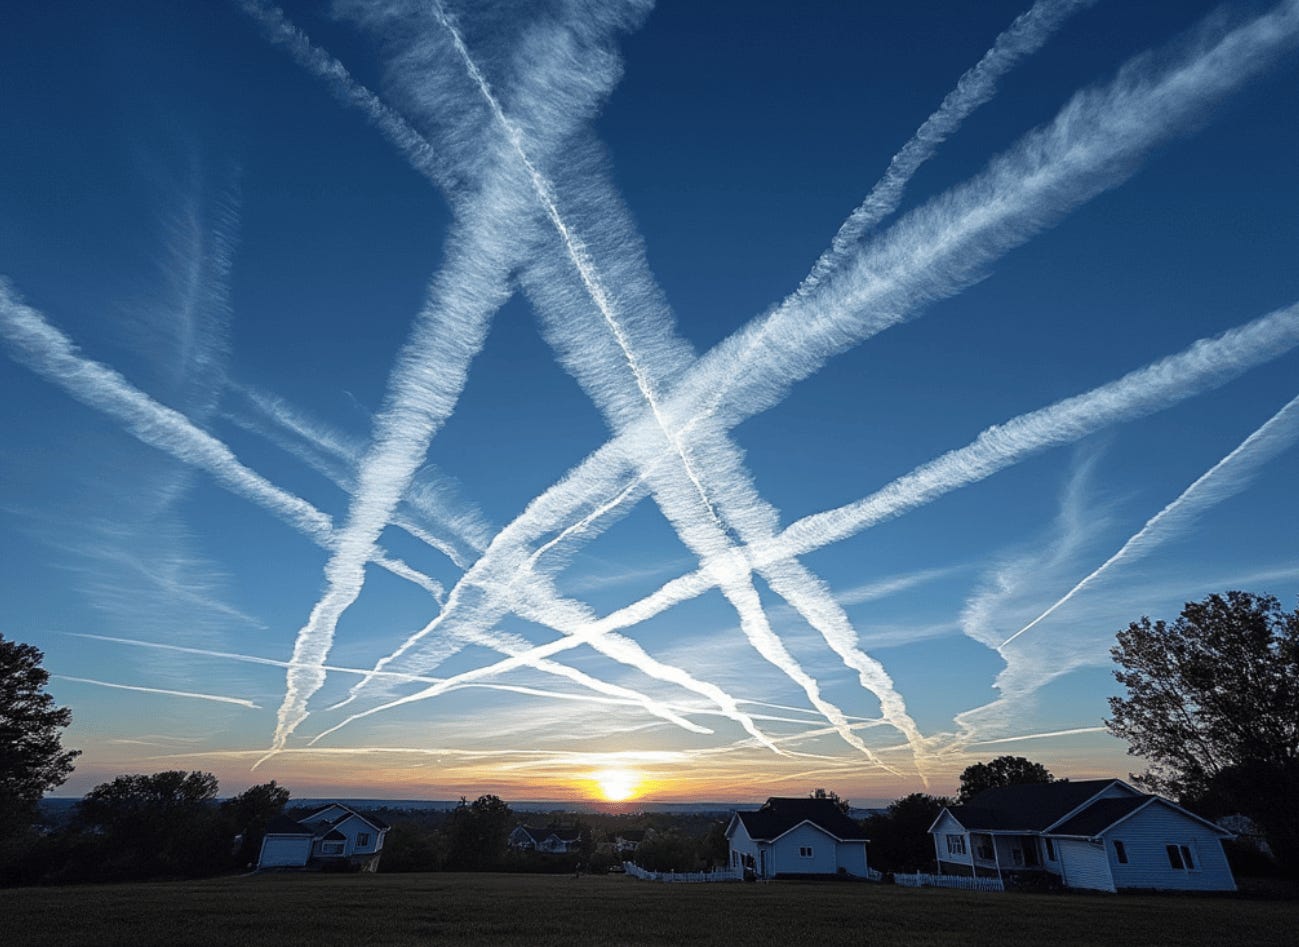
(796, 836)
(1101, 834)
(334, 836)
(552, 841)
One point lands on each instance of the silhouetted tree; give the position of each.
(477, 832)
(1003, 771)
(1213, 704)
(670, 850)
(32, 760)
(899, 837)
(248, 814)
(165, 824)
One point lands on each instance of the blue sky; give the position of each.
(482, 391)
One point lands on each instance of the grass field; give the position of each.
(546, 909)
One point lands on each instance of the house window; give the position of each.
(956, 844)
(984, 851)
(1120, 852)
(1175, 858)
(332, 848)
(1050, 849)
(362, 839)
(1187, 859)
(805, 851)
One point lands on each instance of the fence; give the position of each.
(922, 880)
(724, 874)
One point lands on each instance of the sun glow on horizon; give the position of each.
(617, 785)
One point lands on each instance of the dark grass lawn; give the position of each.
(547, 909)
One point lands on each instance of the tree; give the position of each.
(1003, 771)
(248, 814)
(899, 836)
(1213, 705)
(158, 825)
(477, 832)
(32, 760)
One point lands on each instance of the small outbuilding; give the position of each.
(1101, 834)
(795, 836)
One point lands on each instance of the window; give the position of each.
(984, 851)
(1050, 848)
(1175, 858)
(805, 851)
(956, 844)
(332, 848)
(1121, 852)
(1186, 857)
(362, 839)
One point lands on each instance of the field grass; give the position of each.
(531, 910)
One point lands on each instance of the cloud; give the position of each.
(239, 701)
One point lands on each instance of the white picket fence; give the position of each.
(725, 874)
(922, 880)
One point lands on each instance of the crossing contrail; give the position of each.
(1025, 36)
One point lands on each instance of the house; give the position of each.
(796, 836)
(550, 840)
(1101, 834)
(628, 840)
(332, 837)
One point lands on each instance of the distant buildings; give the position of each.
(334, 837)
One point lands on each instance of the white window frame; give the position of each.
(805, 851)
(955, 844)
(362, 839)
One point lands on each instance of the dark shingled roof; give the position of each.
(1029, 808)
(540, 835)
(1099, 816)
(780, 814)
(283, 825)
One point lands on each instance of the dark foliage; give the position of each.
(899, 837)
(476, 834)
(833, 797)
(248, 814)
(32, 760)
(1003, 771)
(1213, 704)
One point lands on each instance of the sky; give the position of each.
(679, 402)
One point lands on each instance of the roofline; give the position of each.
(942, 812)
(1172, 805)
(815, 825)
(345, 808)
(1079, 808)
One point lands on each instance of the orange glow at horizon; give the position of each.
(617, 785)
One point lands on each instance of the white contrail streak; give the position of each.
(1224, 479)
(239, 701)
(1022, 38)
(52, 355)
(1076, 731)
(1206, 364)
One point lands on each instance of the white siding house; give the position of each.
(794, 836)
(1098, 834)
(332, 837)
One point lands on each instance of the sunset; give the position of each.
(623, 407)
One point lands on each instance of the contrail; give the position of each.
(1205, 365)
(157, 690)
(1224, 479)
(1094, 144)
(710, 543)
(316, 633)
(1039, 736)
(1025, 36)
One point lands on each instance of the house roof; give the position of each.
(1099, 816)
(539, 835)
(780, 814)
(283, 825)
(1030, 808)
(632, 835)
(375, 821)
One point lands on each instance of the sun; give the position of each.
(617, 785)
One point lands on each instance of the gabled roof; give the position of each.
(780, 814)
(1099, 816)
(375, 821)
(283, 825)
(1028, 808)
